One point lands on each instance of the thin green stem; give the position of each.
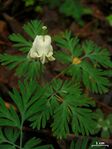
(21, 134)
(7, 141)
(62, 72)
(85, 56)
(21, 138)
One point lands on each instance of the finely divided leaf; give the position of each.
(8, 138)
(35, 144)
(8, 117)
(20, 42)
(28, 101)
(23, 66)
(34, 28)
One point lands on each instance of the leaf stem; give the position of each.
(61, 73)
(21, 134)
(9, 142)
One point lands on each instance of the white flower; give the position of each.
(42, 49)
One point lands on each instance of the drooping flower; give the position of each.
(42, 49)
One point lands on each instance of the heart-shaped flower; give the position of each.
(42, 49)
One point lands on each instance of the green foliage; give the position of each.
(33, 144)
(9, 134)
(29, 2)
(9, 138)
(44, 114)
(28, 103)
(104, 124)
(32, 28)
(28, 100)
(71, 109)
(22, 64)
(85, 62)
(96, 54)
(8, 117)
(70, 8)
(85, 143)
(64, 104)
(109, 19)
(74, 9)
(20, 42)
(68, 99)
(60, 104)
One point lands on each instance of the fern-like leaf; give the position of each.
(20, 42)
(85, 143)
(71, 101)
(22, 65)
(35, 144)
(33, 28)
(8, 138)
(8, 117)
(96, 54)
(60, 126)
(28, 100)
(85, 62)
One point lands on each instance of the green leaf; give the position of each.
(110, 118)
(20, 42)
(7, 146)
(22, 65)
(91, 59)
(93, 79)
(105, 134)
(28, 100)
(96, 54)
(43, 117)
(74, 9)
(35, 144)
(32, 143)
(83, 121)
(29, 2)
(85, 143)
(8, 137)
(8, 117)
(34, 28)
(79, 144)
(108, 73)
(65, 87)
(12, 61)
(67, 42)
(73, 106)
(60, 126)
(63, 57)
(50, 104)
(11, 134)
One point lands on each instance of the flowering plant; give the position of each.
(63, 102)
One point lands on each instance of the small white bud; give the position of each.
(44, 27)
